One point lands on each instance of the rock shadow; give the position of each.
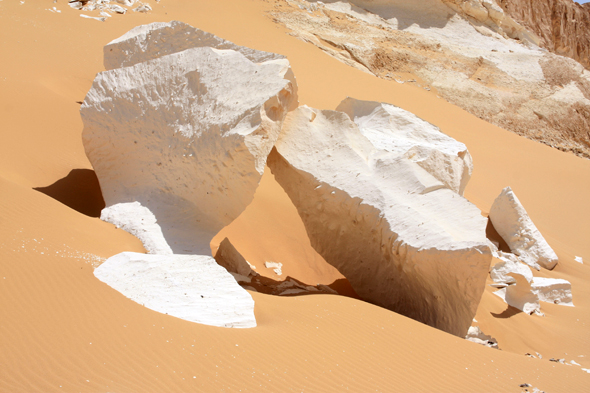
(509, 312)
(293, 287)
(495, 237)
(79, 190)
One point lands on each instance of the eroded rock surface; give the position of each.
(186, 134)
(520, 295)
(474, 334)
(403, 239)
(553, 290)
(520, 233)
(190, 287)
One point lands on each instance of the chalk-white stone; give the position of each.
(522, 236)
(474, 334)
(553, 290)
(158, 39)
(228, 257)
(579, 260)
(520, 295)
(140, 222)
(190, 287)
(403, 240)
(403, 133)
(275, 266)
(500, 272)
(186, 135)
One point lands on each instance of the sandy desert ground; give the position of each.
(63, 330)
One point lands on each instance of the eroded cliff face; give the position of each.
(562, 25)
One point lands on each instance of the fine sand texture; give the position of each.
(63, 330)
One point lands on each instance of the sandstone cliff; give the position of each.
(562, 25)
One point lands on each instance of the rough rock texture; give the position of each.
(520, 295)
(473, 64)
(562, 25)
(186, 134)
(190, 287)
(403, 240)
(403, 133)
(522, 236)
(553, 290)
(140, 222)
(228, 257)
(158, 39)
(474, 334)
(500, 272)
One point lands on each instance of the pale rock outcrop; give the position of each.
(139, 221)
(186, 134)
(405, 134)
(520, 295)
(403, 239)
(191, 287)
(500, 272)
(230, 258)
(158, 39)
(522, 236)
(474, 334)
(553, 290)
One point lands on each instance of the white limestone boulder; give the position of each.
(140, 222)
(228, 257)
(147, 42)
(522, 236)
(186, 135)
(520, 295)
(553, 290)
(401, 132)
(474, 334)
(191, 287)
(403, 239)
(509, 263)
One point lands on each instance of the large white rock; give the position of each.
(509, 263)
(158, 39)
(401, 237)
(190, 287)
(140, 222)
(403, 133)
(186, 134)
(520, 295)
(553, 290)
(522, 236)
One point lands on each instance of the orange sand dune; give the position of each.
(63, 330)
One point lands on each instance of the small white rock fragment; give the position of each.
(474, 334)
(76, 5)
(93, 17)
(579, 260)
(191, 287)
(553, 290)
(275, 266)
(117, 8)
(575, 363)
(512, 222)
(143, 8)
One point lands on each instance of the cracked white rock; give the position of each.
(522, 236)
(139, 221)
(474, 334)
(401, 132)
(553, 290)
(186, 135)
(403, 240)
(158, 39)
(191, 287)
(228, 257)
(500, 272)
(520, 295)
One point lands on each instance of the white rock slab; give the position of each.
(190, 287)
(403, 240)
(553, 290)
(522, 236)
(520, 295)
(140, 222)
(401, 132)
(148, 42)
(500, 272)
(187, 136)
(228, 257)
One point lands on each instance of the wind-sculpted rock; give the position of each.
(522, 236)
(186, 134)
(553, 290)
(403, 133)
(190, 287)
(520, 295)
(500, 272)
(403, 239)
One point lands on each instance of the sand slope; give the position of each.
(63, 330)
